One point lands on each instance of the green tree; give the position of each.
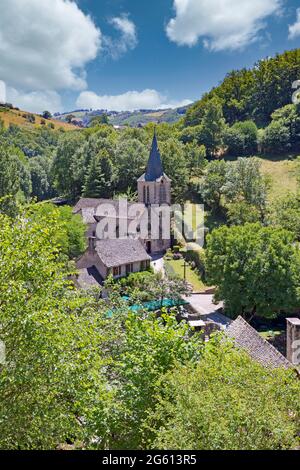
(240, 213)
(213, 124)
(161, 343)
(64, 164)
(40, 170)
(175, 166)
(69, 232)
(47, 115)
(276, 138)
(211, 186)
(256, 269)
(255, 408)
(100, 177)
(196, 157)
(52, 376)
(234, 141)
(9, 173)
(15, 182)
(242, 139)
(99, 120)
(286, 213)
(245, 182)
(252, 94)
(70, 117)
(283, 133)
(131, 159)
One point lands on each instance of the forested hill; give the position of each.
(253, 93)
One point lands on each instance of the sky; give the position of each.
(62, 55)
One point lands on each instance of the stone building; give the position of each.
(130, 252)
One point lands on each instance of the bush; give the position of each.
(197, 259)
(136, 280)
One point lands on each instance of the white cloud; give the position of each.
(222, 24)
(127, 40)
(45, 45)
(35, 101)
(129, 101)
(294, 29)
(2, 92)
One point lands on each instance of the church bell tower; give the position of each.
(154, 186)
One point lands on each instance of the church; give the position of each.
(120, 256)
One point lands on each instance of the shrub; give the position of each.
(197, 259)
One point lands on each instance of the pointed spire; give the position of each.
(154, 168)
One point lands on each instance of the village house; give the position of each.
(121, 255)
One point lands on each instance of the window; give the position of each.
(162, 194)
(129, 268)
(117, 271)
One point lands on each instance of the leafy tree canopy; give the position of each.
(256, 269)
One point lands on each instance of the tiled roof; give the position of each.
(118, 252)
(259, 349)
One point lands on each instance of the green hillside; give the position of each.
(253, 93)
(129, 118)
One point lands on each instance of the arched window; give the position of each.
(162, 193)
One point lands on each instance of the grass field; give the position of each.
(283, 176)
(12, 116)
(176, 267)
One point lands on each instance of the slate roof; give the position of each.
(118, 252)
(103, 211)
(87, 214)
(85, 203)
(154, 168)
(158, 180)
(247, 338)
(89, 277)
(91, 208)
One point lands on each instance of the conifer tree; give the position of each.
(99, 177)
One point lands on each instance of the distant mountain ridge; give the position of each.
(82, 117)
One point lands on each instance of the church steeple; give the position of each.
(154, 186)
(154, 168)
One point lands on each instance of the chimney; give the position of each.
(92, 245)
(293, 340)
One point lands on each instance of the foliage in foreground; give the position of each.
(52, 338)
(226, 402)
(74, 374)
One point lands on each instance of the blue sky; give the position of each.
(126, 54)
